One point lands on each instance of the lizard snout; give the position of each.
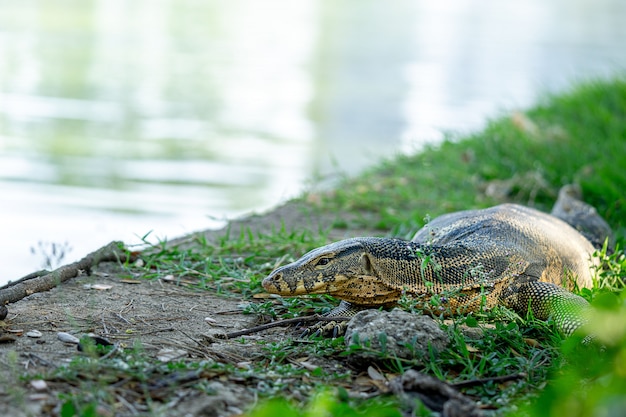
(275, 283)
(283, 281)
(271, 282)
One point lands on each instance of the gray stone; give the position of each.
(395, 333)
(437, 395)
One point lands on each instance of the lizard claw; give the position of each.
(332, 329)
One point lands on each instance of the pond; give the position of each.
(151, 119)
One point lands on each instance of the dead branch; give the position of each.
(482, 381)
(44, 280)
(285, 322)
(32, 275)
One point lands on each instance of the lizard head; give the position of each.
(343, 269)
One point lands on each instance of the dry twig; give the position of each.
(285, 322)
(482, 381)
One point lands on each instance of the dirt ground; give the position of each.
(157, 314)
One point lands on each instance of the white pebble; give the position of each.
(67, 338)
(34, 334)
(102, 287)
(38, 384)
(168, 355)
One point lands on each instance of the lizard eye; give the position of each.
(322, 261)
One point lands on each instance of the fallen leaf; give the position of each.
(531, 342)
(471, 348)
(375, 375)
(5, 338)
(262, 296)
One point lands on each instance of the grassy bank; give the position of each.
(522, 157)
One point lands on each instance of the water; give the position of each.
(125, 119)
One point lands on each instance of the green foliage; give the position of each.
(324, 404)
(287, 308)
(593, 382)
(280, 352)
(611, 269)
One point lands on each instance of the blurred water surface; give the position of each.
(119, 118)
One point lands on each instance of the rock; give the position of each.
(570, 208)
(67, 338)
(169, 354)
(224, 400)
(396, 333)
(35, 334)
(39, 384)
(434, 394)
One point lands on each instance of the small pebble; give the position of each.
(67, 338)
(101, 287)
(35, 334)
(168, 355)
(39, 384)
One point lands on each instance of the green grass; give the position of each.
(325, 403)
(235, 265)
(525, 158)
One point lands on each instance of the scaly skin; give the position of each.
(460, 262)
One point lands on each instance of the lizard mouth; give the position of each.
(361, 289)
(282, 283)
